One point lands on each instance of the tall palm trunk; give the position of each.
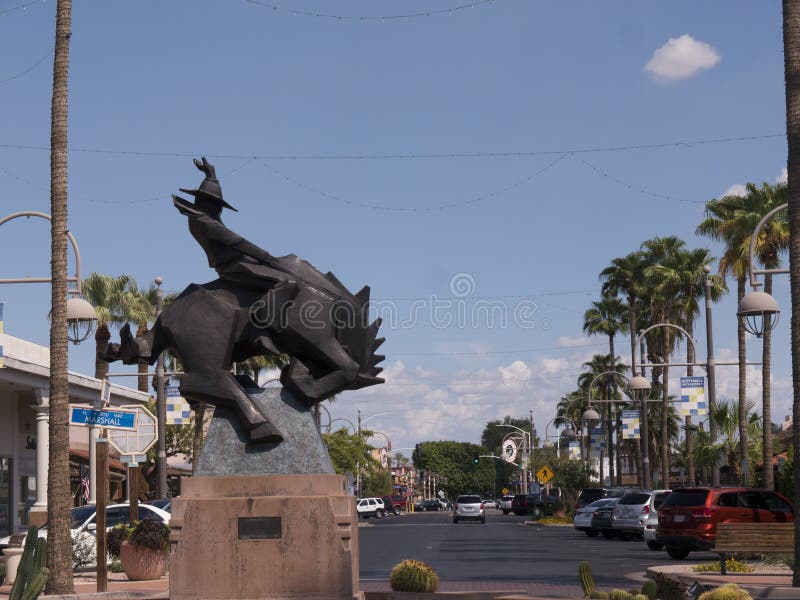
(59, 549)
(740, 290)
(611, 396)
(766, 409)
(791, 54)
(664, 411)
(690, 358)
(101, 339)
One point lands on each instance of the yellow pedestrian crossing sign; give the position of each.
(544, 474)
(505, 491)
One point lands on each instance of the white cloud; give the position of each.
(566, 341)
(783, 177)
(737, 189)
(680, 58)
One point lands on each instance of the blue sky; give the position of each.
(334, 137)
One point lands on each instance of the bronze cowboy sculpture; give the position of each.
(259, 305)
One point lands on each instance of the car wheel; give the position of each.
(396, 510)
(654, 545)
(455, 520)
(592, 532)
(609, 535)
(678, 553)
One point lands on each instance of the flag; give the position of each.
(693, 397)
(178, 410)
(630, 424)
(86, 488)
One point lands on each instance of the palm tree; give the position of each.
(662, 257)
(111, 299)
(732, 220)
(59, 548)
(608, 317)
(791, 55)
(625, 276)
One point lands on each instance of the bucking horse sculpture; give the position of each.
(259, 305)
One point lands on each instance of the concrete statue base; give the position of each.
(264, 537)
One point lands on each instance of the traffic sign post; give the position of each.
(545, 474)
(133, 445)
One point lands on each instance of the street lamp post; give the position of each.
(358, 464)
(526, 453)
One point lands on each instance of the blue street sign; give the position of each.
(111, 419)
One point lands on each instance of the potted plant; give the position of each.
(142, 549)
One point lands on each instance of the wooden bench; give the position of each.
(761, 538)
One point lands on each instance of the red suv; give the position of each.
(687, 520)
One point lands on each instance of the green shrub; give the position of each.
(669, 589)
(650, 589)
(731, 565)
(413, 576)
(729, 591)
(150, 534)
(116, 567)
(115, 537)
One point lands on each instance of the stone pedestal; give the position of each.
(264, 536)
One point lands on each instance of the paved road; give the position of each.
(536, 558)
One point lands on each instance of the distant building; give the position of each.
(25, 427)
(787, 423)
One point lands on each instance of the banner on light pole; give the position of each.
(631, 421)
(598, 441)
(693, 397)
(574, 450)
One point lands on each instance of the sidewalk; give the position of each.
(766, 582)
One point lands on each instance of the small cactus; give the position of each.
(618, 595)
(640, 597)
(598, 595)
(31, 573)
(587, 579)
(413, 576)
(650, 589)
(729, 591)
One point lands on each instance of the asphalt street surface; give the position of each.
(505, 550)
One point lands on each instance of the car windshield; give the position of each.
(78, 516)
(686, 498)
(635, 498)
(468, 500)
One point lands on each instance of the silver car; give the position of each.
(505, 504)
(469, 507)
(651, 524)
(632, 511)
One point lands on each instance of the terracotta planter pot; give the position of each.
(142, 563)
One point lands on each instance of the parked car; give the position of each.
(431, 504)
(687, 520)
(524, 504)
(370, 507)
(162, 503)
(582, 521)
(602, 519)
(469, 507)
(632, 511)
(589, 495)
(489, 503)
(651, 523)
(83, 518)
(392, 507)
(505, 504)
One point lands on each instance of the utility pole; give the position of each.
(358, 462)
